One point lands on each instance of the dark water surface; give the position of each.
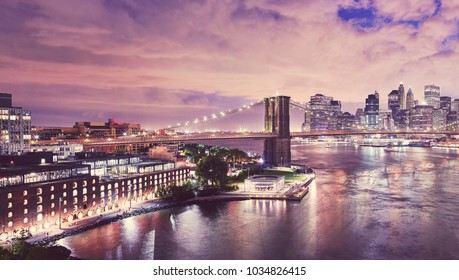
(365, 204)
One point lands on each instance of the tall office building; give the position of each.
(402, 97)
(372, 111)
(409, 100)
(393, 103)
(432, 96)
(455, 105)
(422, 117)
(445, 103)
(15, 125)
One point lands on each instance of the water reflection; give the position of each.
(365, 204)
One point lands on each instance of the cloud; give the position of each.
(160, 61)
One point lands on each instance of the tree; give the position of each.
(212, 169)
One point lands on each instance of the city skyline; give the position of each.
(158, 63)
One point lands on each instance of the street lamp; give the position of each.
(130, 196)
(60, 212)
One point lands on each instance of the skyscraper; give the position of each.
(409, 100)
(402, 98)
(432, 96)
(15, 126)
(372, 111)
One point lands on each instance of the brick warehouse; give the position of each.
(46, 195)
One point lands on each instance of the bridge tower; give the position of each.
(276, 150)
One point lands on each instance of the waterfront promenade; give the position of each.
(291, 191)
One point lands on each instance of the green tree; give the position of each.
(212, 169)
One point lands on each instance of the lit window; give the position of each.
(85, 183)
(93, 189)
(39, 191)
(25, 201)
(93, 181)
(75, 185)
(94, 196)
(64, 194)
(75, 200)
(102, 188)
(25, 220)
(39, 208)
(26, 211)
(85, 191)
(10, 214)
(52, 188)
(39, 217)
(53, 213)
(52, 205)
(25, 193)
(10, 195)
(10, 224)
(52, 196)
(65, 202)
(65, 210)
(64, 186)
(75, 192)
(109, 187)
(85, 198)
(39, 199)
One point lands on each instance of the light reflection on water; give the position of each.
(365, 204)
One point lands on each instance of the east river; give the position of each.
(366, 203)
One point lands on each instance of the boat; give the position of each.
(389, 148)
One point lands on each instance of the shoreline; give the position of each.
(297, 193)
(44, 239)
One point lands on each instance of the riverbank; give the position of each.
(294, 192)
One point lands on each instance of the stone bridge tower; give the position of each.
(276, 150)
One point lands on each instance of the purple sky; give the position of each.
(162, 62)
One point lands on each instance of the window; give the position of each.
(10, 224)
(53, 213)
(75, 185)
(85, 190)
(39, 199)
(52, 188)
(25, 220)
(40, 208)
(64, 194)
(26, 211)
(75, 200)
(93, 189)
(52, 196)
(25, 193)
(10, 205)
(109, 187)
(52, 205)
(75, 192)
(65, 210)
(65, 202)
(39, 217)
(10, 214)
(10, 195)
(39, 191)
(102, 188)
(85, 183)
(64, 186)
(85, 198)
(25, 201)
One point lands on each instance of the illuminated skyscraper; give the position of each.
(432, 96)
(409, 100)
(372, 111)
(402, 97)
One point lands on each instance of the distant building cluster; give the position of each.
(435, 112)
(43, 186)
(88, 129)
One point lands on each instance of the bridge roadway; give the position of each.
(239, 135)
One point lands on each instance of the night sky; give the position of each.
(161, 62)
